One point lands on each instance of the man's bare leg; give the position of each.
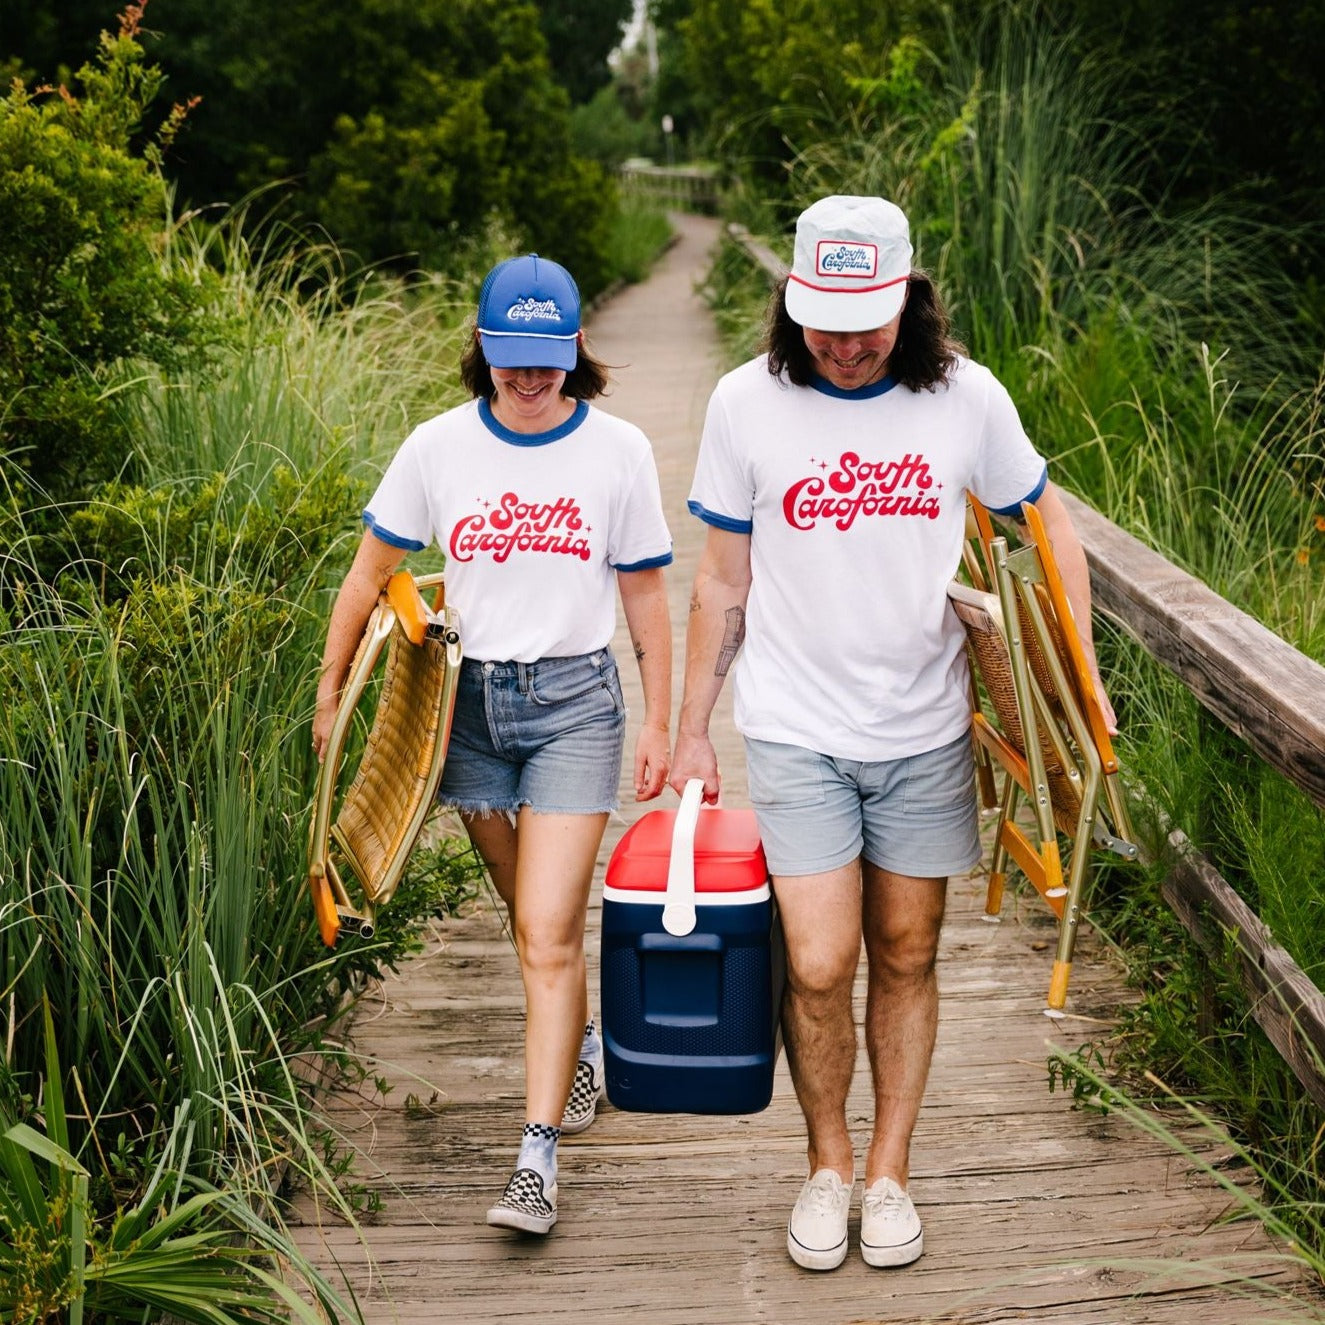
(821, 921)
(902, 920)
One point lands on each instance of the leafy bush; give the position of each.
(83, 215)
(174, 1247)
(603, 130)
(155, 776)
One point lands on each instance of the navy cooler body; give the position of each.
(691, 964)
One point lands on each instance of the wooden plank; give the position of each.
(1288, 1007)
(1260, 687)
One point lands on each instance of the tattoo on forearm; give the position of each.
(639, 650)
(732, 639)
(694, 602)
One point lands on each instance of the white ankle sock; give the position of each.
(538, 1151)
(591, 1048)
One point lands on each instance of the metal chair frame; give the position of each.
(1049, 737)
(403, 758)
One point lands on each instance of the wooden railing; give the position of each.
(1261, 689)
(685, 188)
(1264, 691)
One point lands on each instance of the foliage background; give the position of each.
(403, 129)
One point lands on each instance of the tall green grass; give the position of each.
(155, 763)
(639, 234)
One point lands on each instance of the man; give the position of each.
(833, 475)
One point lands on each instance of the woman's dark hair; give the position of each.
(585, 381)
(924, 356)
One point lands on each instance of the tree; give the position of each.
(761, 70)
(581, 34)
(400, 125)
(83, 220)
(476, 128)
(52, 38)
(1239, 83)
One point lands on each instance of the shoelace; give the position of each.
(823, 1197)
(889, 1203)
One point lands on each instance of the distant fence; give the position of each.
(685, 188)
(1261, 689)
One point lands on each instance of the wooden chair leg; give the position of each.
(324, 906)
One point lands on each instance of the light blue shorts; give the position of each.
(915, 816)
(546, 734)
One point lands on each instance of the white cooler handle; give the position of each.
(678, 915)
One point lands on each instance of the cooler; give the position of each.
(691, 964)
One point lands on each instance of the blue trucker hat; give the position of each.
(529, 314)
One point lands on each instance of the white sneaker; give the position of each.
(890, 1232)
(817, 1230)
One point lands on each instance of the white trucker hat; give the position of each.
(852, 262)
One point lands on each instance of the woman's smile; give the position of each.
(529, 400)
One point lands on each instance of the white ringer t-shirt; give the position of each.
(533, 524)
(855, 503)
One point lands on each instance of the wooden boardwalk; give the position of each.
(1033, 1211)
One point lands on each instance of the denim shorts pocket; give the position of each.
(939, 779)
(783, 777)
(567, 679)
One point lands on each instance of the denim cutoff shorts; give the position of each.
(546, 734)
(915, 816)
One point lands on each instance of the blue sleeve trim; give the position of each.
(395, 540)
(649, 563)
(720, 521)
(1035, 494)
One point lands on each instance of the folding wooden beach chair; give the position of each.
(1044, 727)
(375, 824)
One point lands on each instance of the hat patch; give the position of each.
(530, 309)
(844, 257)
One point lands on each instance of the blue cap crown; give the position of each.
(529, 314)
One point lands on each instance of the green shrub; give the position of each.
(640, 234)
(603, 130)
(395, 188)
(267, 540)
(83, 219)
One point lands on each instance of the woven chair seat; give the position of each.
(375, 824)
(984, 634)
(395, 773)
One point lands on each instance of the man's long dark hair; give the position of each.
(585, 381)
(924, 356)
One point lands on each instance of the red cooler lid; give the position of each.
(729, 856)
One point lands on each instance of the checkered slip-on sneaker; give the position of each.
(583, 1102)
(525, 1204)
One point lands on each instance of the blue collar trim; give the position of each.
(505, 434)
(884, 384)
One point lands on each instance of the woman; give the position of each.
(536, 497)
